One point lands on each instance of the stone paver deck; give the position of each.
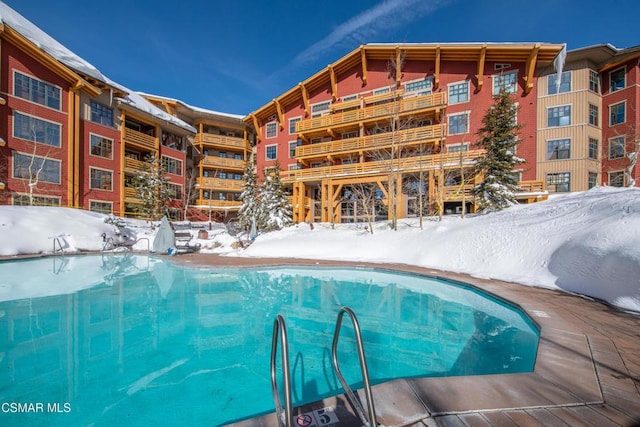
(587, 370)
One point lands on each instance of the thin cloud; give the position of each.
(383, 17)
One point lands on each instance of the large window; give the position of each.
(593, 148)
(174, 191)
(171, 165)
(593, 115)
(558, 149)
(617, 79)
(565, 83)
(101, 147)
(559, 116)
(559, 182)
(23, 200)
(101, 114)
(36, 90)
(506, 80)
(592, 180)
(271, 130)
(458, 123)
(594, 81)
(320, 109)
(36, 130)
(292, 148)
(271, 152)
(616, 148)
(458, 93)
(36, 168)
(616, 179)
(422, 86)
(292, 124)
(617, 113)
(101, 179)
(102, 207)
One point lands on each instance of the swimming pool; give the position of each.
(136, 340)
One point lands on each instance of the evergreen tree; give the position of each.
(250, 197)
(151, 187)
(499, 137)
(276, 210)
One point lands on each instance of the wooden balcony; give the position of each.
(379, 141)
(372, 113)
(383, 167)
(220, 141)
(221, 184)
(130, 195)
(223, 162)
(133, 165)
(218, 204)
(532, 186)
(140, 139)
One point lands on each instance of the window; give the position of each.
(23, 200)
(292, 148)
(292, 124)
(594, 81)
(171, 165)
(101, 147)
(616, 148)
(222, 175)
(593, 148)
(617, 79)
(294, 167)
(320, 109)
(101, 114)
(36, 91)
(271, 152)
(616, 179)
(458, 93)
(458, 123)
(29, 167)
(559, 116)
(102, 207)
(559, 182)
(456, 148)
(506, 81)
(381, 91)
(349, 98)
(565, 83)
(348, 135)
(422, 86)
(238, 156)
(100, 179)
(617, 113)
(174, 191)
(36, 130)
(558, 149)
(593, 115)
(272, 130)
(592, 180)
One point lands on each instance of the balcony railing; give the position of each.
(130, 193)
(402, 106)
(422, 134)
(532, 186)
(134, 164)
(381, 167)
(217, 183)
(223, 162)
(220, 140)
(140, 139)
(218, 204)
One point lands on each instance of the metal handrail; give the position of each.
(280, 326)
(355, 403)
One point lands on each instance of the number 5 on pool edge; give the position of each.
(325, 416)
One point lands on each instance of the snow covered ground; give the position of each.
(586, 243)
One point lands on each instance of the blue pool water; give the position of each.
(137, 341)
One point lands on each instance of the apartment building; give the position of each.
(588, 120)
(401, 119)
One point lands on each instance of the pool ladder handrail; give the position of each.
(280, 327)
(369, 421)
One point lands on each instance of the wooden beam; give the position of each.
(436, 78)
(334, 84)
(257, 127)
(363, 60)
(305, 99)
(481, 59)
(398, 66)
(530, 68)
(280, 113)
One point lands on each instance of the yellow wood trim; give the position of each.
(481, 59)
(436, 79)
(334, 84)
(398, 67)
(257, 127)
(122, 174)
(77, 138)
(530, 68)
(279, 112)
(305, 98)
(363, 60)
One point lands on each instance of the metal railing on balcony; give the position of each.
(140, 139)
(403, 106)
(220, 140)
(421, 134)
(223, 162)
(218, 183)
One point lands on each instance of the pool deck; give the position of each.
(587, 371)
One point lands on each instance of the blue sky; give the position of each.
(236, 55)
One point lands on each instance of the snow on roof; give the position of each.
(52, 47)
(193, 108)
